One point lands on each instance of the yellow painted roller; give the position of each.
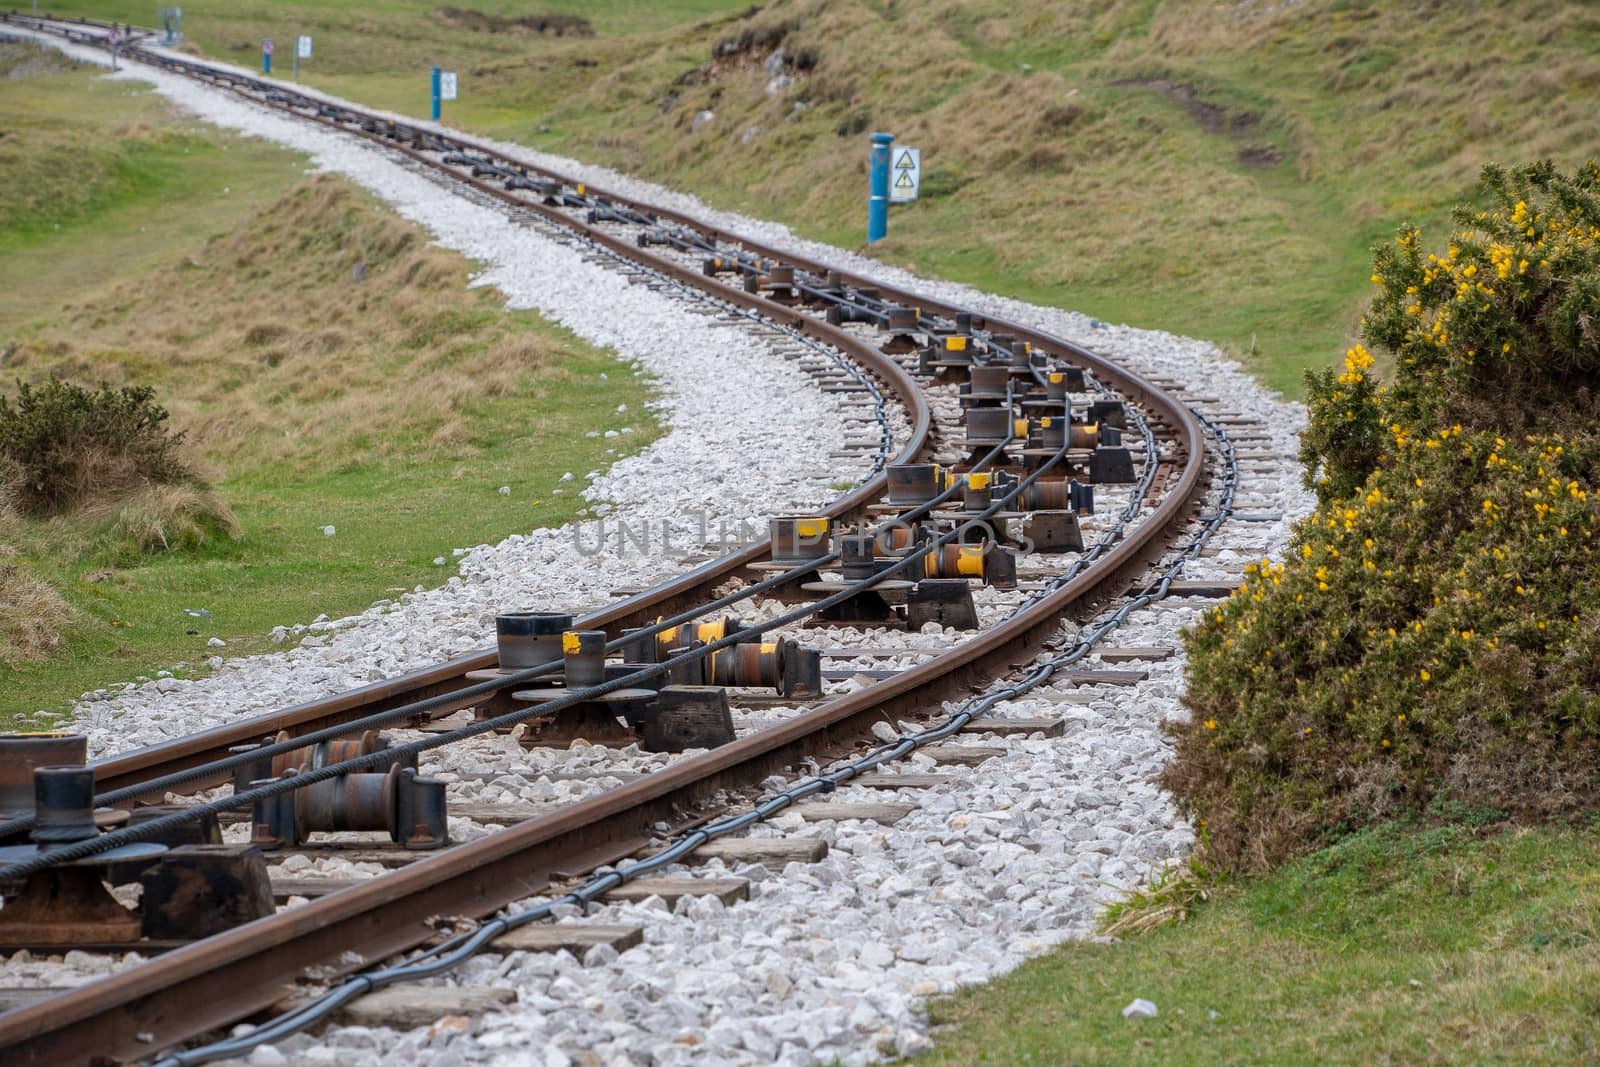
(711, 631)
(1019, 427)
(1046, 422)
(571, 643)
(978, 481)
(668, 638)
(582, 189)
(955, 344)
(1056, 377)
(810, 528)
(970, 563)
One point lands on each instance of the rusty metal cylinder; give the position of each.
(409, 807)
(584, 655)
(896, 538)
(323, 753)
(782, 665)
(1052, 494)
(799, 539)
(752, 665)
(987, 426)
(63, 805)
(912, 483)
(1058, 494)
(20, 753)
(956, 561)
(348, 802)
(529, 638)
(655, 648)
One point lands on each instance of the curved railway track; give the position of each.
(210, 983)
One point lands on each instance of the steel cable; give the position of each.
(462, 946)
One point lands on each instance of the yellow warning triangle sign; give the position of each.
(903, 181)
(904, 162)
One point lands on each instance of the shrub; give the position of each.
(71, 446)
(1431, 639)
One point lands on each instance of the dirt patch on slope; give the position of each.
(550, 25)
(1213, 118)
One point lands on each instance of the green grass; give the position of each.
(392, 520)
(1401, 945)
(100, 175)
(1068, 185)
(391, 408)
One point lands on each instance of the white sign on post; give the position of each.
(905, 175)
(303, 46)
(447, 85)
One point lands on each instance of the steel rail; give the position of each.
(443, 955)
(675, 595)
(124, 771)
(224, 978)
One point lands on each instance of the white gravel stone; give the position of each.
(1140, 1008)
(827, 962)
(712, 419)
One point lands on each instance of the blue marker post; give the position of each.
(878, 201)
(436, 94)
(266, 55)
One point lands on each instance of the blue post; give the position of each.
(435, 94)
(266, 62)
(878, 202)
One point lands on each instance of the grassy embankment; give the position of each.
(329, 367)
(1399, 946)
(1218, 170)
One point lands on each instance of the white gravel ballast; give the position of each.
(744, 430)
(829, 961)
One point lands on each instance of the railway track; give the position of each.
(898, 349)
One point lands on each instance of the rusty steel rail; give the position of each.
(670, 597)
(224, 978)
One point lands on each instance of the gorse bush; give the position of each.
(70, 446)
(1431, 635)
